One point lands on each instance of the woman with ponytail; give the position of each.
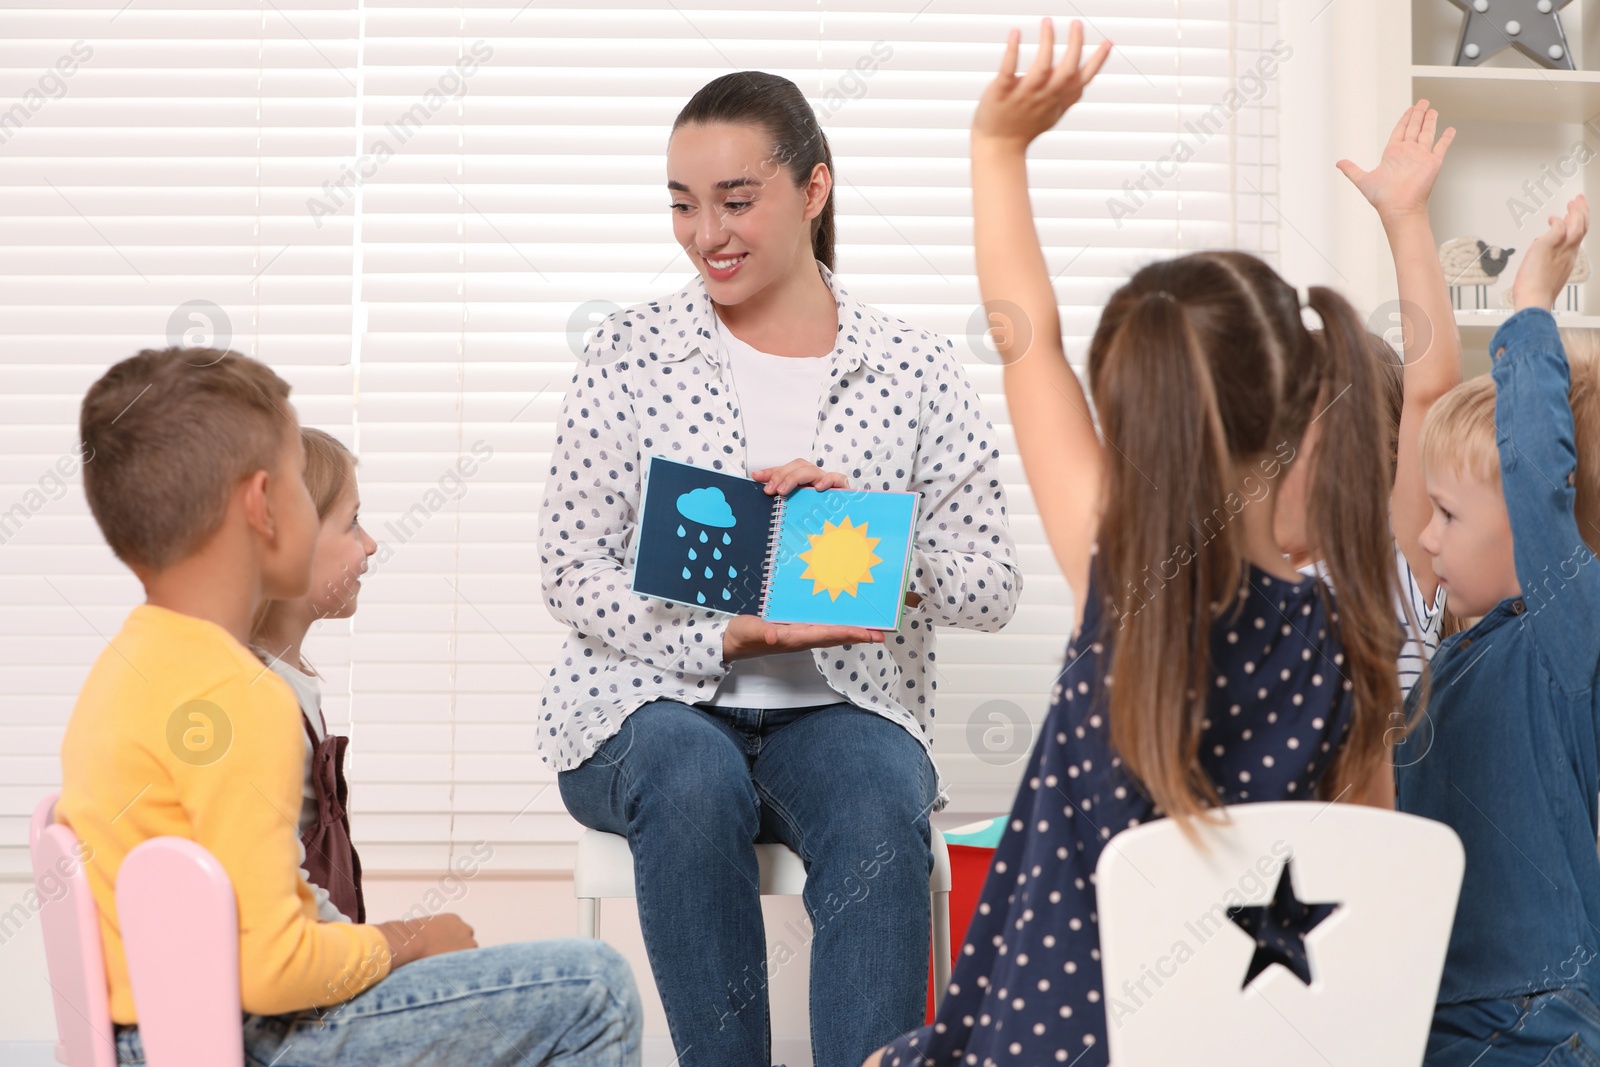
(1237, 679)
(697, 734)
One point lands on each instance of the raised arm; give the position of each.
(1399, 188)
(1535, 430)
(1056, 436)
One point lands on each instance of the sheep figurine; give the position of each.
(1582, 271)
(1468, 261)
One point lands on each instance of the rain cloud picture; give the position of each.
(717, 541)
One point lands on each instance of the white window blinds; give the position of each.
(412, 211)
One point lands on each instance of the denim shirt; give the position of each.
(1507, 754)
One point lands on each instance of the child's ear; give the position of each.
(257, 506)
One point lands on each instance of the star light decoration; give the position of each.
(1532, 27)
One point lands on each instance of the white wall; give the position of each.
(1339, 97)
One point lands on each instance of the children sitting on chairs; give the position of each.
(198, 486)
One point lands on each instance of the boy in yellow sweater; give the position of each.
(179, 730)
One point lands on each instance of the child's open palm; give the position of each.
(1021, 108)
(1549, 260)
(1403, 180)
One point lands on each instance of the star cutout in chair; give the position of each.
(1280, 929)
(1532, 27)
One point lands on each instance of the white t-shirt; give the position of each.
(1422, 641)
(780, 401)
(308, 691)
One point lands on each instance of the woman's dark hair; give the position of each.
(776, 105)
(1200, 365)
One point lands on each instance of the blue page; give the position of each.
(842, 557)
(702, 538)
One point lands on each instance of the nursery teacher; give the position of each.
(697, 734)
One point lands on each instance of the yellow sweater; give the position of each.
(179, 730)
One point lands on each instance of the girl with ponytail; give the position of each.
(1204, 670)
(697, 734)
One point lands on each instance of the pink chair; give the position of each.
(72, 951)
(180, 932)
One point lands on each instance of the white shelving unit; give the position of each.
(1522, 132)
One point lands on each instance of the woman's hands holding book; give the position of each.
(805, 474)
(797, 474)
(751, 635)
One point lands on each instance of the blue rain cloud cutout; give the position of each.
(706, 506)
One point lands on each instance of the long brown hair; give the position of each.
(1200, 366)
(778, 107)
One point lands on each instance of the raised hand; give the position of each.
(1547, 264)
(1019, 109)
(1403, 179)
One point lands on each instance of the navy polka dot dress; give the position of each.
(1026, 988)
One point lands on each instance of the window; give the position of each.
(414, 211)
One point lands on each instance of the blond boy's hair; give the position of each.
(1459, 433)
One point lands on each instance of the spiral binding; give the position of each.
(774, 536)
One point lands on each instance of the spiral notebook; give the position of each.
(717, 541)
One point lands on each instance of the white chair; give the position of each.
(604, 870)
(1174, 963)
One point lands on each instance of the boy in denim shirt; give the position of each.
(1508, 752)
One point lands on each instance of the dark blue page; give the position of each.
(702, 538)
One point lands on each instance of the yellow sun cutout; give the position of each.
(840, 558)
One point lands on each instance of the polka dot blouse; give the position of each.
(1026, 987)
(898, 413)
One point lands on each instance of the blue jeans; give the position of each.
(693, 789)
(570, 1003)
(1555, 1029)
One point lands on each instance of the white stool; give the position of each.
(604, 869)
